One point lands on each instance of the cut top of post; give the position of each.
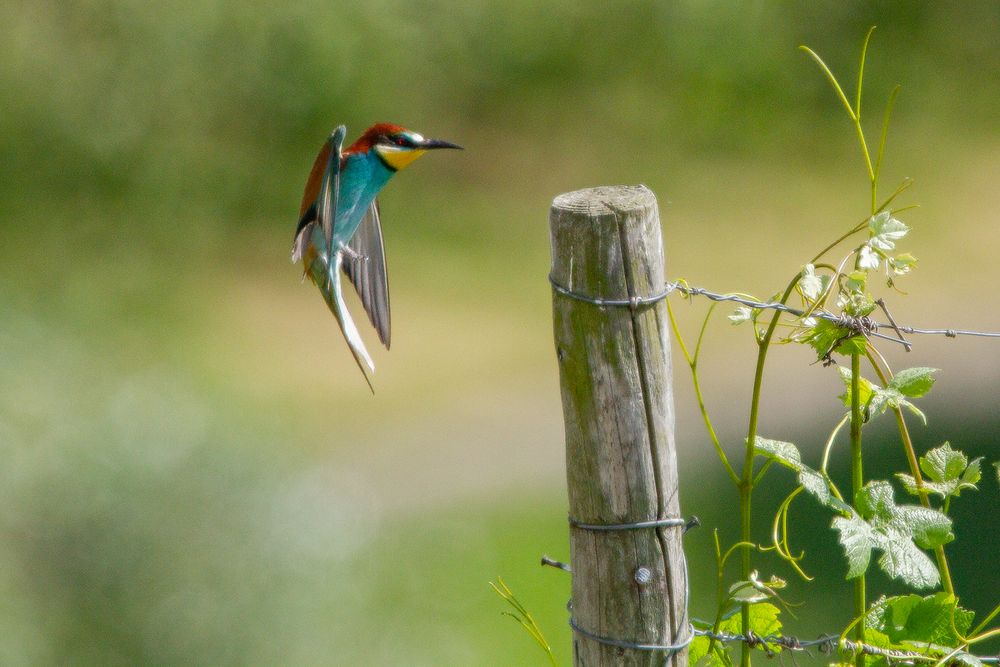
(606, 199)
(606, 242)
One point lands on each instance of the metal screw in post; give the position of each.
(643, 575)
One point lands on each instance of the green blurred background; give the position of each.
(194, 471)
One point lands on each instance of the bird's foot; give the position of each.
(352, 253)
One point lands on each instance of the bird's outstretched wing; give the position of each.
(329, 192)
(321, 194)
(364, 264)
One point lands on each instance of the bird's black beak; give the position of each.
(428, 144)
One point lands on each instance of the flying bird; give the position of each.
(340, 230)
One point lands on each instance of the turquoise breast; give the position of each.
(361, 179)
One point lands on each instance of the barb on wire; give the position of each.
(862, 325)
(558, 564)
(881, 304)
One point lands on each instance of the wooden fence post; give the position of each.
(614, 365)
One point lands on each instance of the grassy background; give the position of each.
(194, 472)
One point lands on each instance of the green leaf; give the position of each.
(763, 620)
(885, 231)
(913, 382)
(876, 400)
(755, 590)
(856, 536)
(890, 615)
(902, 264)
(698, 648)
(928, 527)
(902, 559)
(967, 659)
(943, 464)
(933, 487)
(775, 583)
(852, 345)
(875, 638)
(866, 388)
(914, 409)
(745, 591)
(856, 282)
(698, 654)
(826, 337)
(972, 474)
(875, 500)
(931, 620)
(868, 258)
(788, 455)
(785, 453)
(898, 531)
(911, 619)
(811, 285)
(859, 305)
(741, 315)
(996, 464)
(882, 400)
(948, 472)
(816, 485)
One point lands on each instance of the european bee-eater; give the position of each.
(339, 226)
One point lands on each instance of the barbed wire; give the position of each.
(828, 644)
(770, 644)
(845, 321)
(861, 325)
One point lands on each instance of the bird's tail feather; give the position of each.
(334, 297)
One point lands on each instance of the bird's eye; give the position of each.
(400, 140)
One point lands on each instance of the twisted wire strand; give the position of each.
(826, 644)
(652, 523)
(861, 325)
(668, 649)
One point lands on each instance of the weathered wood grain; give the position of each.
(614, 365)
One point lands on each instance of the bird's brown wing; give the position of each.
(311, 192)
(365, 268)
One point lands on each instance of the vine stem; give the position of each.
(747, 480)
(986, 621)
(911, 459)
(857, 482)
(692, 362)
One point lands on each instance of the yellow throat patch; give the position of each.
(398, 158)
